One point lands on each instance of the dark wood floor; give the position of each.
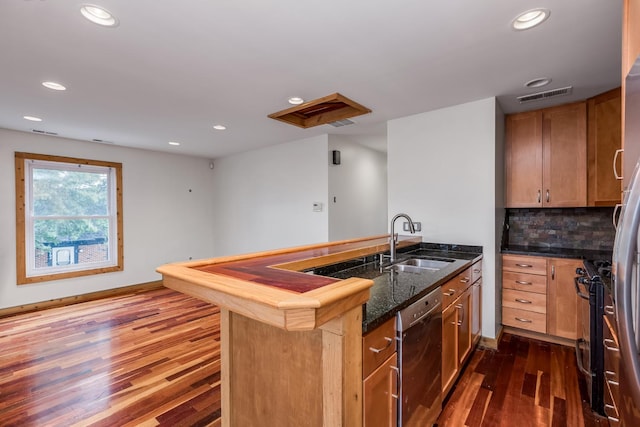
(153, 359)
(524, 383)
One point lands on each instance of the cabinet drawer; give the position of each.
(377, 346)
(524, 282)
(525, 264)
(476, 271)
(455, 287)
(524, 319)
(521, 300)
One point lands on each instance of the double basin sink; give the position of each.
(420, 265)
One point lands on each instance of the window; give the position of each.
(68, 217)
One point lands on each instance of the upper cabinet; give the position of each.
(603, 145)
(546, 157)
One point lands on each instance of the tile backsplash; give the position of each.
(572, 228)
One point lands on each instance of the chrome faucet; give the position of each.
(393, 239)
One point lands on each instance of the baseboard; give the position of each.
(60, 302)
(492, 343)
(538, 336)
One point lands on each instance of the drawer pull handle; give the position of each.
(378, 350)
(523, 301)
(520, 319)
(609, 344)
(520, 282)
(609, 310)
(612, 382)
(615, 164)
(524, 265)
(539, 196)
(397, 371)
(451, 292)
(476, 270)
(465, 280)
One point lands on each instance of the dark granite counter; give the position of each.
(392, 291)
(557, 252)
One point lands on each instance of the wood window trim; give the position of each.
(21, 260)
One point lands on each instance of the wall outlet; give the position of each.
(416, 225)
(317, 207)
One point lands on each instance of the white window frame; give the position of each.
(25, 219)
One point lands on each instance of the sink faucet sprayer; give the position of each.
(393, 239)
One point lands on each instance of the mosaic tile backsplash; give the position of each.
(572, 228)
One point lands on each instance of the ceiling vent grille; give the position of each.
(340, 123)
(43, 132)
(546, 94)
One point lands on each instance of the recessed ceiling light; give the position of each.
(219, 127)
(53, 85)
(539, 82)
(32, 118)
(98, 15)
(296, 100)
(173, 143)
(530, 19)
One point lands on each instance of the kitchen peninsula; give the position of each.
(291, 339)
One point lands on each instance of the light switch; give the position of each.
(317, 207)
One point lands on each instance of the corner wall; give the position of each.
(168, 214)
(442, 170)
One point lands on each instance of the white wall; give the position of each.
(264, 198)
(163, 221)
(442, 172)
(357, 191)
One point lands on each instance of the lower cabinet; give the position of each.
(461, 323)
(380, 386)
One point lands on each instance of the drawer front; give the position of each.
(455, 287)
(524, 319)
(521, 300)
(377, 346)
(524, 282)
(525, 264)
(476, 271)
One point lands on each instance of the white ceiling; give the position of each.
(174, 68)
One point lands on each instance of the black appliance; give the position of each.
(589, 346)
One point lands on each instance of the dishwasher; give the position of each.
(419, 329)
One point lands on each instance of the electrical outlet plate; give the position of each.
(416, 225)
(317, 207)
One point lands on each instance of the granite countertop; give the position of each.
(392, 291)
(557, 252)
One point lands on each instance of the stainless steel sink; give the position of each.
(420, 265)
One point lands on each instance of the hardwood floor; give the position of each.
(145, 359)
(524, 383)
(153, 359)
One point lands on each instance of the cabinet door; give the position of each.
(379, 395)
(562, 301)
(449, 347)
(523, 160)
(464, 306)
(564, 137)
(476, 313)
(603, 140)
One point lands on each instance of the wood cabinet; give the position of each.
(562, 301)
(538, 294)
(546, 157)
(604, 140)
(461, 322)
(380, 373)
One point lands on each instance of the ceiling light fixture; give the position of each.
(32, 118)
(98, 15)
(174, 143)
(539, 82)
(219, 127)
(530, 19)
(53, 85)
(296, 100)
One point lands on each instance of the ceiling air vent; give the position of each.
(329, 109)
(43, 132)
(546, 94)
(340, 123)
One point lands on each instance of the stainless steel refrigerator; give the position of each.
(626, 259)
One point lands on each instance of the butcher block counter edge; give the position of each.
(273, 305)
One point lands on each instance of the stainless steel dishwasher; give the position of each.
(419, 328)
